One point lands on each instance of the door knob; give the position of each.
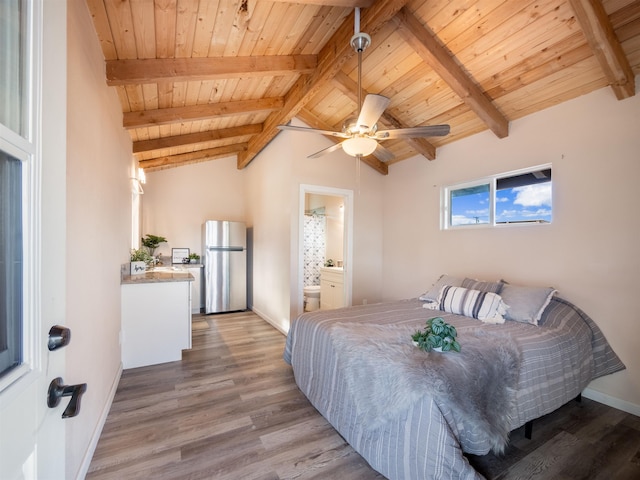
(59, 337)
(57, 390)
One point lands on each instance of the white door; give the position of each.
(32, 235)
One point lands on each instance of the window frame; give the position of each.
(25, 147)
(491, 180)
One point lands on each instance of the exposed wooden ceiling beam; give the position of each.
(602, 39)
(152, 70)
(430, 50)
(200, 137)
(333, 3)
(312, 120)
(166, 116)
(162, 163)
(420, 145)
(330, 60)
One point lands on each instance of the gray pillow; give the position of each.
(492, 287)
(432, 294)
(526, 304)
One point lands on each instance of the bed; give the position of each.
(360, 370)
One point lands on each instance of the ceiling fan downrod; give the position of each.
(359, 42)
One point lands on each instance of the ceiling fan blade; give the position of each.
(325, 151)
(372, 108)
(331, 133)
(383, 154)
(426, 131)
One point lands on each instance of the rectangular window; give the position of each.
(13, 68)
(518, 197)
(524, 198)
(470, 205)
(10, 263)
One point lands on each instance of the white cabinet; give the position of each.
(331, 288)
(156, 322)
(197, 297)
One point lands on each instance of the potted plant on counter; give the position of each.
(139, 260)
(151, 242)
(194, 258)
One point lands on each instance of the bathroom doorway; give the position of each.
(325, 238)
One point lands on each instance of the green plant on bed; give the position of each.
(437, 334)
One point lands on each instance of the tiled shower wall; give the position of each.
(314, 247)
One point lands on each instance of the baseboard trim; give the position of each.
(612, 401)
(86, 461)
(269, 320)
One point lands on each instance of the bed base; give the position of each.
(528, 427)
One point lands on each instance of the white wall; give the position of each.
(589, 252)
(178, 201)
(99, 164)
(269, 207)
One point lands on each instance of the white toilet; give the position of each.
(311, 298)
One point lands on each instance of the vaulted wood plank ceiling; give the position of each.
(204, 79)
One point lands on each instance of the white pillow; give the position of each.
(432, 294)
(485, 306)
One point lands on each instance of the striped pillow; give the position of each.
(485, 306)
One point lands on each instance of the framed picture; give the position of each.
(179, 254)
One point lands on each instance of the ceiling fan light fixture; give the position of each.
(359, 145)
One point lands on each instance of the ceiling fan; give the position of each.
(361, 135)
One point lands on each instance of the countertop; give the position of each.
(333, 269)
(158, 275)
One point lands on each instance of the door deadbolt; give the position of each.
(59, 337)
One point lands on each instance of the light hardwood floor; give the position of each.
(231, 410)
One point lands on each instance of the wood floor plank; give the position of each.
(137, 468)
(548, 460)
(290, 436)
(231, 410)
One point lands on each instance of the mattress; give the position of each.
(559, 358)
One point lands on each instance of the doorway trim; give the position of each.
(347, 196)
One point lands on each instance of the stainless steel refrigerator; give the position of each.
(225, 266)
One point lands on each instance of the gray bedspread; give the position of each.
(426, 440)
